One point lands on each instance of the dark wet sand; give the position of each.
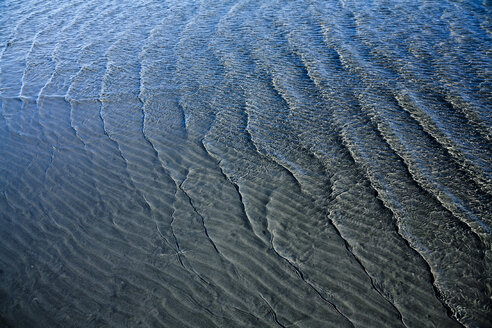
(245, 164)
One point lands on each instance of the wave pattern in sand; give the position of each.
(245, 163)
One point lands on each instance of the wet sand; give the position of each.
(245, 164)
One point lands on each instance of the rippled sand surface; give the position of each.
(245, 163)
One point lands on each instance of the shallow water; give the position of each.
(245, 163)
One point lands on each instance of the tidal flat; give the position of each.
(195, 164)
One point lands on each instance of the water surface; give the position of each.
(245, 163)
